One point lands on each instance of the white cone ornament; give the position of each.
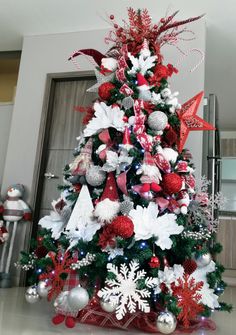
(157, 121)
(15, 208)
(95, 176)
(108, 205)
(78, 298)
(31, 295)
(166, 322)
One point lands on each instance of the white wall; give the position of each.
(5, 123)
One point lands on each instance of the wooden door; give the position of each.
(63, 126)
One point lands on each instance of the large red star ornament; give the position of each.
(189, 121)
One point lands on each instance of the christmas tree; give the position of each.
(131, 241)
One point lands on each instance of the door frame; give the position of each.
(44, 136)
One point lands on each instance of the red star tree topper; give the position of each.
(189, 121)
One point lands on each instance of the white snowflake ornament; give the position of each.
(141, 64)
(129, 298)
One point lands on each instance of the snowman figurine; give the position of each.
(14, 210)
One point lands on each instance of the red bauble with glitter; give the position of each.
(154, 262)
(171, 183)
(189, 266)
(104, 90)
(122, 226)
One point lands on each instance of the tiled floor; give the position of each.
(20, 318)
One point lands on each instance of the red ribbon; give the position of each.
(104, 136)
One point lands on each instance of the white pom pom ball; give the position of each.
(157, 120)
(95, 176)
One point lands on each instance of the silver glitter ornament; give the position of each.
(78, 298)
(126, 206)
(157, 120)
(127, 103)
(31, 295)
(203, 260)
(43, 289)
(166, 322)
(109, 305)
(95, 176)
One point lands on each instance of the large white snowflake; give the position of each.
(148, 224)
(105, 117)
(124, 289)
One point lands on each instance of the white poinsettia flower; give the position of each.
(141, 64)
(147, 224)
(105, 117)
(115, 162)
(53, 222)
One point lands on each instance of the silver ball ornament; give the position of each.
(95, 176)
(31, 295)
(203, 260)
(43, 289)
(78, 298)
(109, 305)
(166, 322)
(157, 120)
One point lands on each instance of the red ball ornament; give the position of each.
(171, 183)
(104, 90)
(154, 262)
(112, 17)
(189, 266)
(122, 226)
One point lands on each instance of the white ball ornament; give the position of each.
(131, 120)
(78, 298)
(166, 322)
(95, 176)
(31, 295)
(203, 260)
(43, 289)
(157, 120)
(109, 305)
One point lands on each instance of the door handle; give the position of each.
(50, 175)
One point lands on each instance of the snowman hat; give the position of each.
(108, 205)
(110, 190)
(126, 143)
(18, 187)
(142, 81)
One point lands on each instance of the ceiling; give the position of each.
(33, 17)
